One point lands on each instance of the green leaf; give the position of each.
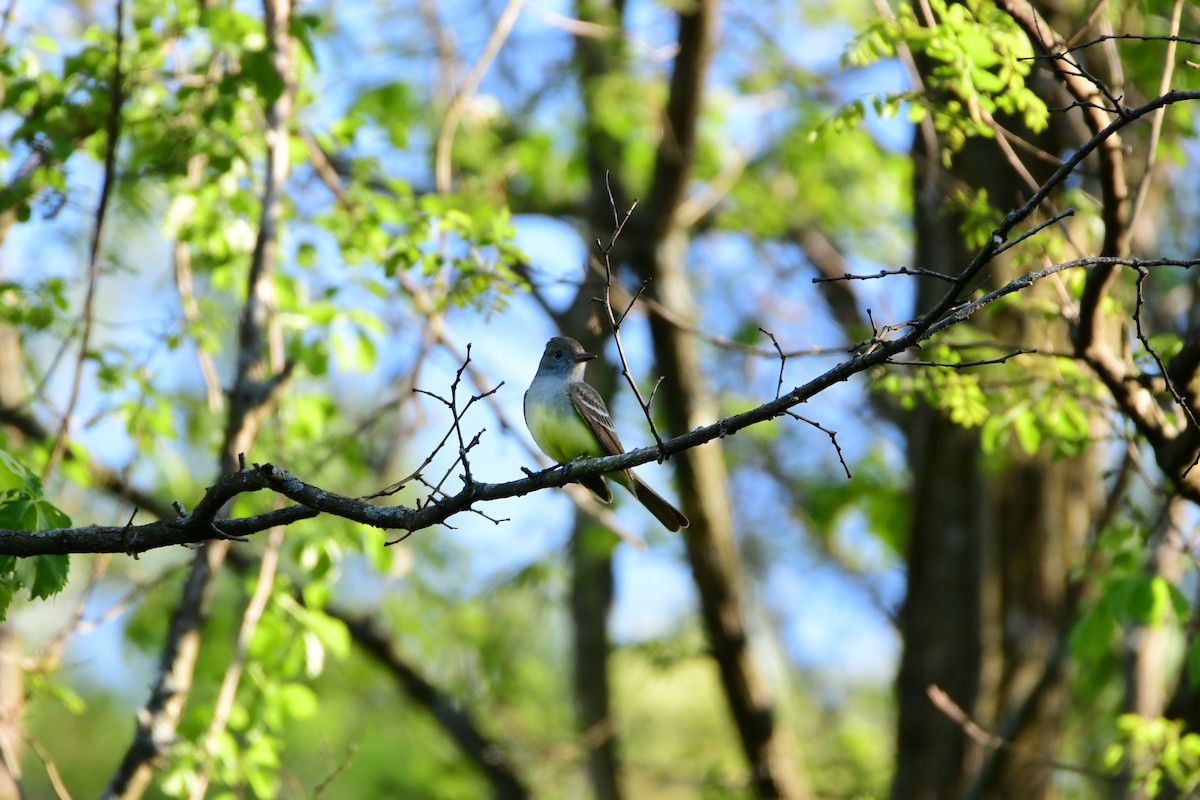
(15, 475)
(1150, 600)
(8, 587)
(257, 66)
(1180, 604)
(50, 517)
(49, 575)
(1092, 635)
(19, 514)
(1028, 435)
(299, 700)
(71, 700)
(332, 633)
(391, 106)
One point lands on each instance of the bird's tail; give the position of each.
(670, 516)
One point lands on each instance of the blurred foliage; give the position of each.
(373, 260)
(982, 60)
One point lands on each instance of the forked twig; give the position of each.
(455, 430)
(614, 321)
(1143, 273)
(832, 437)
(113, 133)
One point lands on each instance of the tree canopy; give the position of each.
(895, 299)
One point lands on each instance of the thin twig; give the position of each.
(113, 133)
(614, 322)
(455, 429)
(338, 769)
(1143, 273)
(1171, 39)
(832, 437)
(458, 107)
(965, 310)
(1036, 229)
(782, 361)
(961, 364)
(883, 273)
(942, 701)
(56, 781)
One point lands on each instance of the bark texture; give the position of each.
(990, 541)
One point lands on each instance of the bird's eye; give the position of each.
(558, 353)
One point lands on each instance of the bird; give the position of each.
(568, 419)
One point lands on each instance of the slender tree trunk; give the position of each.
(658, 253)
(591, 548)
(686, 401)
(591, 600)
(939, 620)
(12, 688)
(592, 591)
(656, 248)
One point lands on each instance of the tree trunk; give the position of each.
(658, 248)
(990, 540)
(591, 600)
(591, 548)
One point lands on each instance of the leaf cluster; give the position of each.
(24, 507)
(980, 64)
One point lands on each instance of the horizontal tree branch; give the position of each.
(200, 525)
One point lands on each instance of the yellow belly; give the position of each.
(563, 437)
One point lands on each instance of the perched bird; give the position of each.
(568, 419)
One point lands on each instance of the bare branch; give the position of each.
(116, 99)
(782, 361)
(1061, 215)
(338, 769)
(458, 106)
(954, 712)
(455, 429)
(883, 273)
(963, 311)
(614, 321)
(1172, 39)
(962, 364)
(832, 437)
(1143, 273)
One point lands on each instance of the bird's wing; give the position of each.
(590, 406)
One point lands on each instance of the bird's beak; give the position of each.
(581, 357)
